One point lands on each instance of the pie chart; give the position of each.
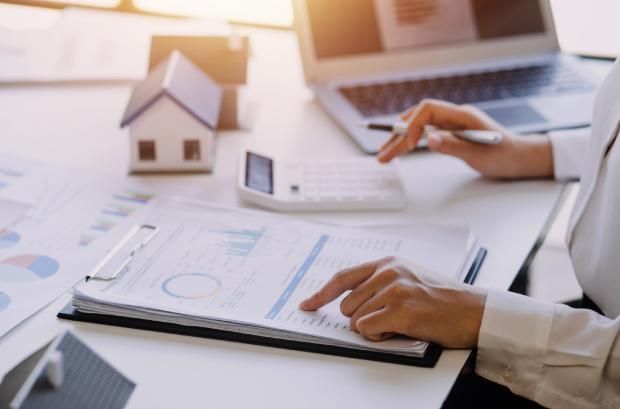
(8, 238)
(191, 286)
(28, 268)
(5, 300)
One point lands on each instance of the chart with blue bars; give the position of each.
(239, 242)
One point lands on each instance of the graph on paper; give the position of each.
(8, 238)
(7, 176)
(5, 301)
(239, 242)
(28, 268)
(132, 196)
(191, 286)
(119, 207)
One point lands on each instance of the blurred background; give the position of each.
(587, 28)
(593, 17)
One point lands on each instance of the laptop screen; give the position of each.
(343, 28)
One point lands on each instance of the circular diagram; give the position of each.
(5, 300)
(191, 286)
(8, 238)
(28, 268)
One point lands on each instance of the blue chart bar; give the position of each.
(275, 310)
(240, 242)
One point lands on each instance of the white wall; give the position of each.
(588, 26)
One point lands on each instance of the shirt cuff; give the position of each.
(513, 340)
(569, 149)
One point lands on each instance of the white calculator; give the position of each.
(319, 185)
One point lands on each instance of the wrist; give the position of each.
(534, 156)
(479, 298)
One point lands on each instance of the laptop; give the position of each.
(370, 60)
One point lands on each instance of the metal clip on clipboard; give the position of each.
(124, 251)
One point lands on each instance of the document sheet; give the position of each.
(247, 271)
(80, 46)
(54, 223)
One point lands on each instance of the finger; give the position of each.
(399, 145)
(453, 146)
(389, 141)
(372, 305)
(341, 282)
(377, 325)
(407, 114)
(429, 112)
(446, 115)
(366, 290)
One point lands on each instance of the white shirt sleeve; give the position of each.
(569, 149)
(550, 353)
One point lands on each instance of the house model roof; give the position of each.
(224, 58)
(184, 83)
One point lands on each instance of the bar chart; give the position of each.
(239, 242)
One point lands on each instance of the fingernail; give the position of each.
(305, 304)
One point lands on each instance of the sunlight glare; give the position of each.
(270, 12)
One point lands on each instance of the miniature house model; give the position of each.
(172, 118)
(224, 58)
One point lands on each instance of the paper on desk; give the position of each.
(90, 46)
(62, 222)
(247, 272)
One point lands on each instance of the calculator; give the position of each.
(319, 184)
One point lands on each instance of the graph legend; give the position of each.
(134, 197)
(102, 226)
(86, 239)
(118, 210)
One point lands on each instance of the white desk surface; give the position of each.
(78, 125)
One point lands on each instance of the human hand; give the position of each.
(389, 298)
(515, 157)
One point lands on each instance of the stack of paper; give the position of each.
(246, 272)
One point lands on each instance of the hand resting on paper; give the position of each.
(388, 298)
(514, 158)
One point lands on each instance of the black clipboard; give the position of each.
(429, 360)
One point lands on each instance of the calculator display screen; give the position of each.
(259, 173)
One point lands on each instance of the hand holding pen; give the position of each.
(491, 149)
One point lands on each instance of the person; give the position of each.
(553, 354)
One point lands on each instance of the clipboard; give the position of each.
(429, 360)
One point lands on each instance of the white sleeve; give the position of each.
(550, 353)
(569, 149)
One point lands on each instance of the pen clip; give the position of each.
(95, 274)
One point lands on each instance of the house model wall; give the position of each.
(172, 117)
(168, 139)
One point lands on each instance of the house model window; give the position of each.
(146, 150)
(191, 150)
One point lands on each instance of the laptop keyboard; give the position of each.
(393, 97)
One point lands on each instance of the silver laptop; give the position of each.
(373, 59)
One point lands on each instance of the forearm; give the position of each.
(550, 353)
